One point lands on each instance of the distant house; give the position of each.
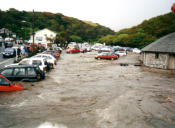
(41, 37)
(161, 53)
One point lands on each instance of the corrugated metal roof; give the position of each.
(165, 44)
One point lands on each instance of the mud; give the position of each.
(86, 93)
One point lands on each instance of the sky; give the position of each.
(115, 14)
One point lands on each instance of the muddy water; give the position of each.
(82, 92)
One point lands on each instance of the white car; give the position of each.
(48, 57)
(121, 53)
(41, 62)
(136, 50)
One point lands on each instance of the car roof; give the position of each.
(44, 55)
(19, 66)
(36, 58)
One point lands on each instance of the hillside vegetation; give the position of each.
(71, 29)
(144, 33)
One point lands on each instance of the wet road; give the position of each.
(86, 93)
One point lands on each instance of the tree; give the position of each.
(60, 41)
(75, 38)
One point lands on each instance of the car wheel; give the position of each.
(112, 58)
(98, 58)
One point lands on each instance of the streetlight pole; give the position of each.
(33, 33)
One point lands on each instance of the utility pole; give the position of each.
(33, 33)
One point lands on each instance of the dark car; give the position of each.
(23, 72)
(9, 52)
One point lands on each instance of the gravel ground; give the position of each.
(86, 93)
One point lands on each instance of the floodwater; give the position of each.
(86, 93)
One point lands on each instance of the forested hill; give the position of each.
(143, 34)
(20, 22)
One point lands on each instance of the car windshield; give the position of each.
(8, 50)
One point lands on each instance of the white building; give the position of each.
(41, 36)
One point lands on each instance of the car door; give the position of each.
(7, 72)
(105, 56)
(31, 73)
(19, 73)
(5, 85)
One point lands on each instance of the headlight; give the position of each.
(3, 53)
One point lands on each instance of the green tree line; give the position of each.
(143, 34)
(67, 28)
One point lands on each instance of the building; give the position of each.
(41, 37)
(161, 53)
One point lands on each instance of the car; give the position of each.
(74, 50)
(83, 50)
(6, 85)
(136, 50)
(121, 53)
(8, 44)
(49, 58)
(23, 73)
(106, 55)
(41, 62)
(58, 49)
(9, 52)
(53, 53)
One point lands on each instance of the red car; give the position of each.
(106, 55)
(6, 85)
(73, 51)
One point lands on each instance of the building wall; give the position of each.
(40, 36)
(171, 61)
(149, 59)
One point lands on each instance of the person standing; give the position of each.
(19, 52)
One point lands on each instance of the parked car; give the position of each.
(75, 50)
(121, 53)
(6, 85)
(9, 52)
(58, 49)
(136, 50)
(89, 49)
(23, 72)
(8, 44)
(41, 62)
(83, 50)
(49, 58)
(106, 55)
(53, 53)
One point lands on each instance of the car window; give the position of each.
(36, 62)
(38, 56)
(31, 71)
(3, 82)
(7, 72)
(19, 72)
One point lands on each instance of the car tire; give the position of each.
(112, 58)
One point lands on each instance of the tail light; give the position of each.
(55, 61)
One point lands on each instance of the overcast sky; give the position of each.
(116, 14)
